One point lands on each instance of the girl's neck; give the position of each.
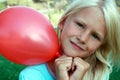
(51, 66)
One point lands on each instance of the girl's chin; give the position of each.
(69, 55)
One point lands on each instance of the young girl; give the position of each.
(88, 35)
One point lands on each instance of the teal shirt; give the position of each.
(41, 72)
(36, 72)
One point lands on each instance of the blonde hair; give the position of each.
(100, 62)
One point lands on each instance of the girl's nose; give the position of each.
(83, 37)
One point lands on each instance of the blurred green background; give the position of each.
(53, 9)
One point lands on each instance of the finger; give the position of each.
(63, 63)
(80, 63)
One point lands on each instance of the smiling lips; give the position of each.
(76, 46)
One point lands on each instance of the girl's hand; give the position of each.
(63, 65)
(68, 68)
(79, 68)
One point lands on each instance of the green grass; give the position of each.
(10, 70)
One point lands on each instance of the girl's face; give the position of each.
(83, 32)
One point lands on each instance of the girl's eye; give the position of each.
(95, 36)
(80, 25)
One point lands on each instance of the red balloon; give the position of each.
(27, 36)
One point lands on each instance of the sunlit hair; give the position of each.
(108, 53)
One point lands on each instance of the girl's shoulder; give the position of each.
(36, 72)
